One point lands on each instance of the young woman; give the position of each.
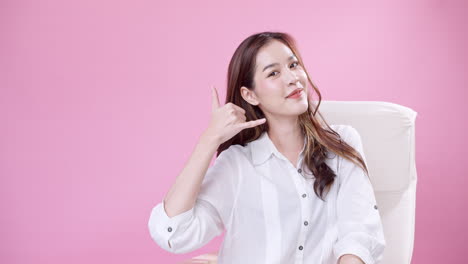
(286, 186)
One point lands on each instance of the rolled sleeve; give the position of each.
(196, 227)
(360, 230)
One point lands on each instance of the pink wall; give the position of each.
(88, 145)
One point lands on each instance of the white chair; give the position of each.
(388, 136)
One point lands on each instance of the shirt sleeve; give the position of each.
(194, 228)
(360, 230)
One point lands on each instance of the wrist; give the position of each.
(211, 139)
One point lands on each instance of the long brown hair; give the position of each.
(320, 137)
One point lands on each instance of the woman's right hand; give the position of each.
(227, 120)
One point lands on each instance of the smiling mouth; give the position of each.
(295, 92)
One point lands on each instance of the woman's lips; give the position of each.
(296, 94)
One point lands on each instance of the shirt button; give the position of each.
(300, 247)
(306, 223)
(169, 229)
(375, 207)
(299, 170)
(304, 195)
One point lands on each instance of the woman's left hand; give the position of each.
(350, 259)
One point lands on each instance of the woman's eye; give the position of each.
(271, 74)
(294, 63)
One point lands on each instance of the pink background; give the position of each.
(102, 102)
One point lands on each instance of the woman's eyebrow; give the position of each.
(273, 64)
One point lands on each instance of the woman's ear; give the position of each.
(248, 95)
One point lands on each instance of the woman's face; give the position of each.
(277, 74)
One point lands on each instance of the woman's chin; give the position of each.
(302, 107)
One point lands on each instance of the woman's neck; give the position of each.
(287, 138)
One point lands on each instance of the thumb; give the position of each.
(214, 98)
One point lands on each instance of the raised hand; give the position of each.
(228, 120)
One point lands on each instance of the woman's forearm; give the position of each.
(183, 193)
(350, 259)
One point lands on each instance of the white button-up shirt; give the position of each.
(270, 212)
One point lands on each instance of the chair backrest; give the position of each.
(388, 136)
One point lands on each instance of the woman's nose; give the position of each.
(293, 78)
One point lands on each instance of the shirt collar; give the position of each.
(263, 147)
